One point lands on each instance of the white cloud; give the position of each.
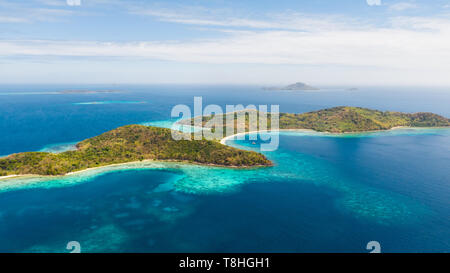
(21, 12)
(402, 6)
(382, 47)
(280, 21)
(437, 24)
(405, 50)
(53, 2)
(373, 2)
(191, 19)
(10, 19)
(73, 2)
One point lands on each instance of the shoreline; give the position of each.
(223, 140)
(9, 176)
(16, 176)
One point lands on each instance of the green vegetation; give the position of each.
(135, 142)
(340, 120)
(127, 144)
(355, 119)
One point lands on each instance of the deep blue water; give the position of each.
(324, 194)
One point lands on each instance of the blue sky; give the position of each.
(346, 42)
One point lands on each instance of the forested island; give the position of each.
(128, 144)
(343, 119)
(137, 142)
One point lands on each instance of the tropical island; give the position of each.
(342, 119)
(129, 144)
(133, 143)
(299, 86)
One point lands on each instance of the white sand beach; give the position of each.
(223, 140)
(8, 176)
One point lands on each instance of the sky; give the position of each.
(320, 42)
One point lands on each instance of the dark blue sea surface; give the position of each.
(325, 193)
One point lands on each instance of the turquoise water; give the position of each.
(326, 193)
(59, 147)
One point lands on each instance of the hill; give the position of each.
(299, 86)
(127, 144)
(345, 119)
(355, 119)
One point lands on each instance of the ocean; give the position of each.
(326, 193)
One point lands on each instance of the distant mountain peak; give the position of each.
(300, 86)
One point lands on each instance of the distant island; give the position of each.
(128, 144)
(87, 91)
(342, 119)
(137, 142)
(299, 86)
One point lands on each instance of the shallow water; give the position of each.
(325, 192)
(314, 199)
(60, 147)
